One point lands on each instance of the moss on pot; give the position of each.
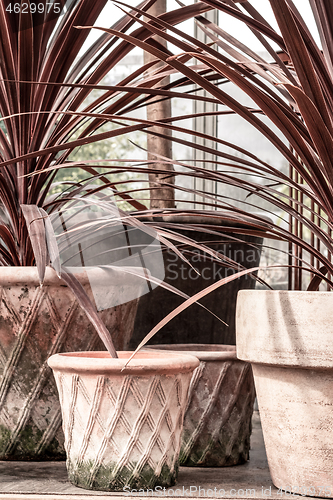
(104, 479)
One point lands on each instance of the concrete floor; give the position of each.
(48, 480)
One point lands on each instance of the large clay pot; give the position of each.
(122, 427)
(195, 324)
(36, 322)
(217, 423)
(287, 336)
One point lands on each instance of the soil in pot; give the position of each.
(122, 427)
(217, 422)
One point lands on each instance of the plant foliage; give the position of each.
(292, 86)
(48, 109)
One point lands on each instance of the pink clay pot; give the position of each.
(287, 336)
(122, 426)
(36, 322)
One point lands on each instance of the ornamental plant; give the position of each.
(49, 107)
(292, 87)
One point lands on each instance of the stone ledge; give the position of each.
(48, 480)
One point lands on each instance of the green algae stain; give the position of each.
(5, 435)
(54, 451)
(104, 480)
(27, 446)
(29, 439)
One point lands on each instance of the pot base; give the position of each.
(124, 481)
(297, 427)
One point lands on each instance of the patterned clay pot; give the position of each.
(287, 336)
(217, 423)
(36, 322)
(122, 427)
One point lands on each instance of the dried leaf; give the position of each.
(35, 224)
(51, 243)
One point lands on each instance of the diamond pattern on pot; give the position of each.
(121, 428)
(217, 422)
(35, 323)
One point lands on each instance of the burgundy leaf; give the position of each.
(89, 309)
(300, 57)
(321, 136)
(188, 303)
(317, 279)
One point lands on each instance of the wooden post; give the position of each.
(160, 196)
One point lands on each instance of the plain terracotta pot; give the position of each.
(217, 423)
(287, 336)
(36, 322)
(122, 426)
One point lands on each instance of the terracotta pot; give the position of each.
(217, 423)
(36, 322)
(122, 428)
(287, 336)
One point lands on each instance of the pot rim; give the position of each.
(28, 275)
(286, 292)
(100, 362)
(286, 328)
(213, 217)
(204, 352)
